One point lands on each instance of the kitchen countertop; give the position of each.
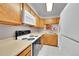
(12, 47)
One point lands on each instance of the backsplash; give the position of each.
(7, 31)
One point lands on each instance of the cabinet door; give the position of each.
(52, 20)
(48, 39)
(33, 13)
(26, 52)
(55, 20)
(43, 40)
(10, 13)
(37, 21)
(27, 8)
(29, 54)
(52, 40)
(41, 23)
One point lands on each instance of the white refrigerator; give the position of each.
(69, 29)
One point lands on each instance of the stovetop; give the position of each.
(33, 36)
(28, 38)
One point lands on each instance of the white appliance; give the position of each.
(28, 18)
(69, 29)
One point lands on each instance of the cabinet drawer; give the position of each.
(25, 52)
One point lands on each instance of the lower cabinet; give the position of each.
(26, 52)
(29, 54)
(49, 39)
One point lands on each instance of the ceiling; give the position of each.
(40, 9)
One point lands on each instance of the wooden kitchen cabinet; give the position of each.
(41, 23)
(37, 18)
(26, 52)
(49, 39)
(56, 20)
(27, 8)
(33, 13)
(37, 22)
(10, 13)
(52, 20)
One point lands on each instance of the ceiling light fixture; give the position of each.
(49, 6)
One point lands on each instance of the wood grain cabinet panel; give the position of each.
(29, 54)
(53, 40)
(27, 8)
(10, 13)
(41, 23)
(43, 40)
(33, 13)
(52, 20)
(55, 20)
(26, 52)
(37, 22)
(48, 39)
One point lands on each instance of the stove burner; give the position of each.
(31, 38)
(24, 38)
(28, 38)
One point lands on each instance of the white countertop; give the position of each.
(11, 47)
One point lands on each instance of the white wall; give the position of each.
(7, 31)
(69, 26)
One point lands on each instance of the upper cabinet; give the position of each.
(26, 7)
(19, 13)
(35, 19)
(52, 21)
(10, 13)
(39, 22)
(42, 23)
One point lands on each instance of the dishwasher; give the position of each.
(36, 47)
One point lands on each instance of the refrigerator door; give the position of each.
(69, 21)
(69, 47)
